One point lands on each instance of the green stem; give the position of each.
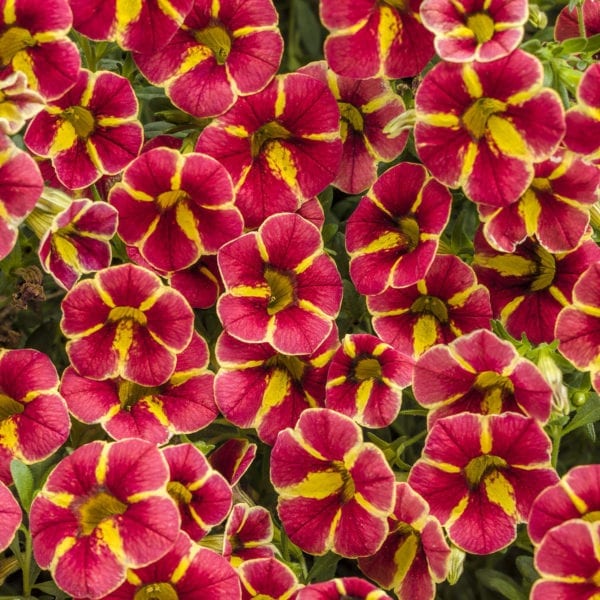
(556, 437)
(26, 566)
(580, 20)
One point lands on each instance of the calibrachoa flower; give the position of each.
(578, 325)
(387, 36)
(186, 572)
(445, 304)
(10, 517)
(568, 562)
(481, 30)
(202, 494)
(415, 556)
(142, 26)
(222, 50)
(103, 509)
(341, 588)
(366, 107)
(393, 234)
(258, 387)
(34, 422)
(280, 286)
(530, 286)
(480, 475)
(492, 120)
(175, 207)
(329, 481)
(200, 284)
(90, 131)
(365, 380)
(267, 578)
(575, 496)
(18, 103)
(34, 40)
(555, 208)
(184, 404)
(281, 145)
(233, 458)
(20, 187)
(125, 322)
(480, 373)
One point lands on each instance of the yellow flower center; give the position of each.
(546, 270)
(592, 516)
(81, 119)
(495, 389)
(348, 490)
(351, 117)
(168, 200)
(367, 368)
(482, 26)
(281, 285)
(130, 393)
(100, 507)
(12, 41)
(179, 492)
(127, 313)
(476, 116)
(481, 467)
(432, 306)
(270, 131)
(290, 364)
(156, 591)
(217, 39)
(409, 227)
(9, 407)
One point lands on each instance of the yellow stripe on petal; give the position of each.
(102, 466)
(9, 437)
(457, 511)
(127, 11)
(499, 491)
(112, 121)
(440, 119)
(280, 100)
(564, 301)
(187, 222)
(530, 209)
(156, 409)
(281, 163)
(310, 307)
(193, 57)
(509, 265)
(506, 137)
(405, 554)
(425, 333)
(277, 389)
(578, 502)
(363, 394)
(123, 338)
(388, 241)
(472, 82)
(485, 439)
(108, 532)
(468, 162)
(331, 383)
(65, 249)
(23, 62)
(237, 131)
(169, 10)
(61, 499)
(247, 291)
(61, 549)
(9, 14)
(65, 138)
(510, 308)
(389, 29)
(319, 485)
(349, 347)
(182, 568)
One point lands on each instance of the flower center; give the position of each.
(156, 591)
(367, 368)
(432, 306)
(169, 199)
(482, 26)
(217, 39)
(269, 131)
(546, 270)
(348, 490)
(592, 516)
(495, 389)
(130, 393)
(129, 313)
(409, 227)
(351, 117)
(97, 509)
(291, 364)
(9, 407)
(480, 467)
(281, 285)
(476, 116)
(179, 492)
(82, 120)
(12, 41)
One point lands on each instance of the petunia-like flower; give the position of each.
(267, 578)
(415, 555)
(578, 325)
(480, 475)
(328, 480)
(34, 40)
(202, 494)
(280, 286)
(583, 119)
(258, 387)
(481, 30)
(568, 562)
(18, 102)
(445, 304)
(233, 458)
(555, 208)
(223, 50)
(21, 185)
(493, 121)
(200, 284)
(103, 509)
(341, 588)
(567, 21)
(529, 287)
(392, 236)
(184, 404)
(186, 572)
(175, 207)
(34, 421)
(480, 373)
(142, 26)
(366, 107)
(10, 517)
(281, 145)
(124, 322)
(387, 36)
(575, 496)
(365, 380)
(90, 131)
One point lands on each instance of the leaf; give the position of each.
(501, 583)
(526, 568)
(309, 28)
(574, 45)
(588, 413)
(324, 567)
(23, 479)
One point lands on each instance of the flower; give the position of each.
(281, 145)
(341, 588)
(200, 284)
(480, 373)
(392, 236)
(267, 578)
(10, 517)
(103, 509)
(480, 475)
(365, 379)
(567, 21)
(221, 51)
(280, 286)
(415, 555)
(18, 103)
(387, 36)
(34, 422)
(90, 131)
(445, 304)
(480, 30)
(328, 480)
(493, 120)
(233, 458)
(125, 322)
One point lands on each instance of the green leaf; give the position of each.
(574, 45)
(324, 567)
(23, 479)
(501, 583)
(309, 28)
(526, 568)
(588, 413)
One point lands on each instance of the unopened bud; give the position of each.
(553, 375)
(457, 561)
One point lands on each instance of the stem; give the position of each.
(556, 437)
(580, 20)
(26, 566)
